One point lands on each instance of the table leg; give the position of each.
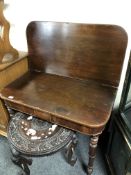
(70, 151)
(21, 161)
(92, 153)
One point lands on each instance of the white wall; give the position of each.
(21, 12)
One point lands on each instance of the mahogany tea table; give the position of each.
(73, 77)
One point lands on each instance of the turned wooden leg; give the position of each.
(92, 153)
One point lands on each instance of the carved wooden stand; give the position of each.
(21, 161)
(70, 151)
(44, 141)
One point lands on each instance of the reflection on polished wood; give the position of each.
(73, 78)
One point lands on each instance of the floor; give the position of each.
(54, 164)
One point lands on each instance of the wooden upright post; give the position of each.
(7, 52)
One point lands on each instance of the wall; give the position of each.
(21, 12)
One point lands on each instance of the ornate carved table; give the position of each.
(31, 136)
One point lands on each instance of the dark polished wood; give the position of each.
(77, 50)
(70, 154)
(45, 139)
(92, 153)
(68, 102)
(30, 136)
(74, 74)
(22, 162)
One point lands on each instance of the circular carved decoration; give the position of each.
(33, 136)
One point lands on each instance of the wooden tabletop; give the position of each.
(87, 103)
